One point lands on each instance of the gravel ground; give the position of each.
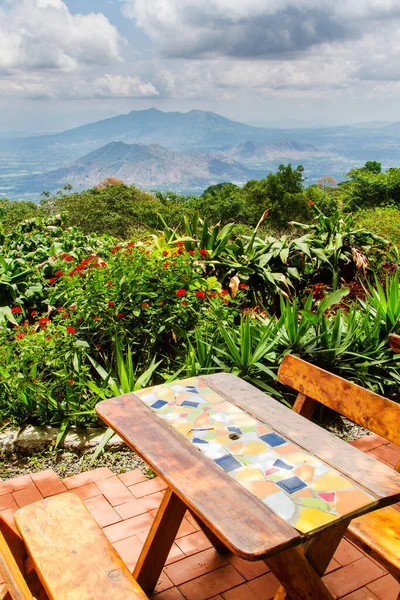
(70, 463)
(66, 464)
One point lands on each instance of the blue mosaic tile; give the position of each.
(282, 465)
(228, 463)
(291, 485)
(159, 404)
(189, 403)
(235, 429)
(199, 441)
(272, 439)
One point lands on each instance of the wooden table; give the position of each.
(261, 480)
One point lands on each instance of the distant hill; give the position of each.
(174, 130)
(258, 154)
(167, 144)
(148, 167)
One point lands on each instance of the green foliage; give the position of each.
(384, 221)
(369, 187)
(16, 211)
(119, 210)
(282, 194)
(86, 316)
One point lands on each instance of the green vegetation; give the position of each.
(114, 288)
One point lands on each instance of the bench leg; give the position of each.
(318, 554)
(159, 541)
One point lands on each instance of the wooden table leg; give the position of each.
(318, 554)
(159, 541)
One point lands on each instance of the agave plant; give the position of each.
(333, 241)
(125, 380)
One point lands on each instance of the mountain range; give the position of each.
(185, 152)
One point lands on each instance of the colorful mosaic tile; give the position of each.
(297, 486)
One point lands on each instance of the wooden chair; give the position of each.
(377, 533)
(66, 550)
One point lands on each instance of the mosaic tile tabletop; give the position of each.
(300, 488)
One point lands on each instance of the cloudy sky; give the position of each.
(66, 62)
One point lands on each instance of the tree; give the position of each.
(327, 181)
(373, 166)
(282, 193)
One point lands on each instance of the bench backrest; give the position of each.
(394, 342)
(374, 412)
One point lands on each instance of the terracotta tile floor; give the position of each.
(124, 506)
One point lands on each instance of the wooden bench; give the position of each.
(394, 342)
(67, 551)
(377, 533)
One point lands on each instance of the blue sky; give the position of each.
(66, 62)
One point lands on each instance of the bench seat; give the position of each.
(378, 533)
(71, 555)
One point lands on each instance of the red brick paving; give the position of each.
(125, 505)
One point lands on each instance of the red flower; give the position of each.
(52, 280)
(72, 306)
(79, 319)
(110, 283)
(48, 337)
(121, 316)
(203, 252)
(68, 258)
(64, 315)
(225, 292)
(179, 244)
(165, 265)
(71, 273)
(162, 302)
(19, 336)
(16, 310)
(71, 381)
(165, 252)
(243, 286)
(59, 273)
(181, 292)
(200, 294)
(96, 318)
(44, 320)
(131, 245)
(110, 303)
(191, 252)
(179, 251)
(145, 305)
(103, 264)
(184, 303)
(71, 330)
(226, 300)
(33, 313)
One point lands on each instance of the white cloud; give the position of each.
(255, 28)
(45, 35)
(48, 52)
(120, 86)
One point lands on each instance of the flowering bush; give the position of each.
(72, 307)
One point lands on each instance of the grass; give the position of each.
(383, 221)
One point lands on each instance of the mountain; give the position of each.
(25, 162)
(148, 167)
(259, 154)
(174, 130)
